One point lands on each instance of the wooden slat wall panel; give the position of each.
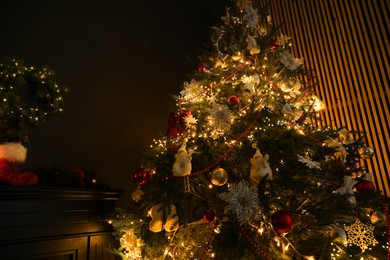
(346, 44)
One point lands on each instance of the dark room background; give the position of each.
(122, 61)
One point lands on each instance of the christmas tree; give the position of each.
(246, 169)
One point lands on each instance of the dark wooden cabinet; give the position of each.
(56, 223)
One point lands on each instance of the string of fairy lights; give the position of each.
(234, 143)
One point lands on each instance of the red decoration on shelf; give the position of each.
(273, 45)
(141, 176)
(282, 222)
(209, 215)
(79, 172)
(233, 101)
(365, 186)
(201, 67)
(12, 154)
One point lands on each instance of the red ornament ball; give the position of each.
(273, 45)
(201, 67)
(233, 101)
(365, 186)
(141, 176)
(282, 222)
(209, 215)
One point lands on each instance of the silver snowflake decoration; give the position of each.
(289, 61)
(283, 39)
(309, 163)
(242, 199)
(251, 17)
(221, 116)
(191, 91)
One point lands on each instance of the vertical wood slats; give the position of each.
(346, 44)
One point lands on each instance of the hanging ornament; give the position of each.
(233, 101)
(260, 168)
(219, 177)
(175, 128)
(288, 85)
(273, 45)
(201, 67)
(377, 217)
(131, 244)
(252, 46)
(361, 235)
(237, 56)
(366, 152)
(182, 166)
(209, 215)
(365, 186)
(141, 176)
(137, 194)
(157, 214)
(282, 222)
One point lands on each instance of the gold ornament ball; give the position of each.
(219, 177)
(366, 152)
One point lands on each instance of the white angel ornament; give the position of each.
(260, 168)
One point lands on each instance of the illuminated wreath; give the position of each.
(28, 94)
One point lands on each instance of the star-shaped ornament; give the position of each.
(361, 235)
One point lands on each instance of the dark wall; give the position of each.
(121, 59)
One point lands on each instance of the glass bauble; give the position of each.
(141, 176)
(282, 222)
(219, 177)
(365, 186)
(366, 152)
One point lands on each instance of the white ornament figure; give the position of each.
(252, 46)
(182, 165)
(347, 189)
(260, 168)
(157, 212)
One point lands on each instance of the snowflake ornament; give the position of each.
(288, 60)
(251, 17)
(347, 189)
(283, 39)
(361, 235)
(341, 151)
(242, 200)
(221, 116)
(309, 163)
(191, 91)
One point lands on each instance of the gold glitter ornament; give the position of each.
(361, 235)
(131, 245)
(366, 152)
(219, 177)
